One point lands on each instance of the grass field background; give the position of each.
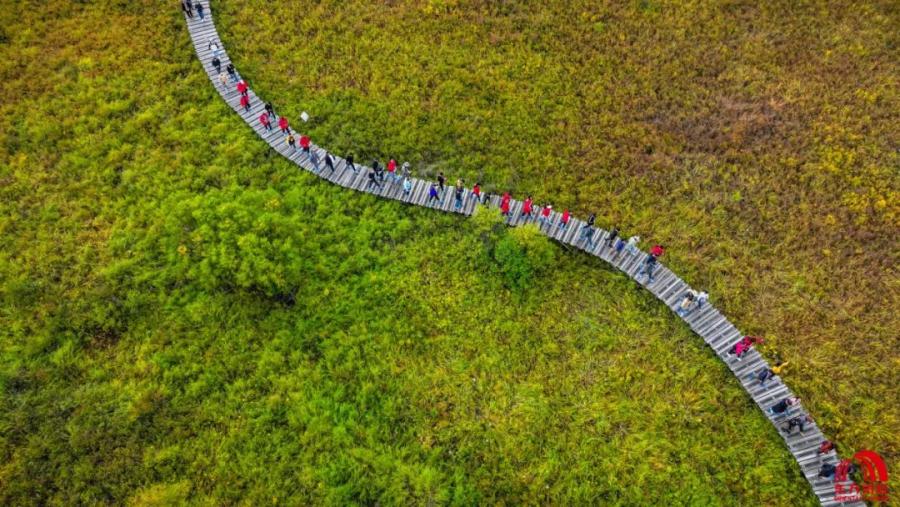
(185, 315)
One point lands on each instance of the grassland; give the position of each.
(185, 316)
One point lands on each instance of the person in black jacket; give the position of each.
(217, 64)
(186, 7)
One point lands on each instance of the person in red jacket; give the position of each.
(283, 125)
(476, 192)
(245, 102)
(242, 87)
(504, 203)
(564, 221)
(392, 170)
(657, 251)
(526, 207)
(743, 345)
(304, 143)
(264, 119)
(545, 215)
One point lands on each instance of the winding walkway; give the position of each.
(708, 322)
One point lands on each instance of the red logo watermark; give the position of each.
(875, 478)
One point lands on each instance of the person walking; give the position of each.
(212, 45)
(232, 72)
(373, 180)
(827, 471)
(684, 308)
(407, 185)
(242, 87)
(283, 125)
(404, 170)
(329, 162)
(527, 207)
(217, 64)
(799, 421)
(783, 405)
(392, 170)
(186, 7)
(764, 376)
(433, 194)
(779, 366)
(743, 345)
(702, 298)
(657, 251)
(199, 8)
(544, 219)
(270, 110)
(647, 268)
(587, 230)
(245, 102)
(304, 143)
(314, 159)
(632, 245)
(825, 447)
(349, 162)
(379, 172)
(476, 192)
(564, 220)
(291, 141)
(441, 180)
(504, 204)
(223, 79)
(613, 236)
(459, 197)
(264, 120)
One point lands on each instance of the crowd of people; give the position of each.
(390, 174)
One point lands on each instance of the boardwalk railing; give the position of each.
(707, 322)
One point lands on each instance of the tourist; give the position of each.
(526, 207)
(613, 235)
(304, 143)
(223, 79)
(245, 102)
(564, 220)
(702, 298)
(441, 180)
(217, 64)
(476, 192)
(199, 8)
(743, 345)
(433, 194)
(632, 245)
(783, 405)
(232, 72)
(407, 185)
(186, 7)
(544, 219)
(314, 159)
(329, 162)
(685, 306)
(764, 375)
(213, 46)
(799, 421)
(459, 197)
(825, 447)
(392, 170)
(270, 110)
(504, 204)
(283, 125)
(242, 87)
(827, 471)
(657, 251)
(373, 180)
(779, 366)
(291, 141)
(264, 120)
(349, 162)
(647, 268)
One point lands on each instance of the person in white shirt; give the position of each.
(632, 245)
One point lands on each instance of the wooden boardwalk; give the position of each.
(707, 322)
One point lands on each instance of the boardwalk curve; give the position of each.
(708, 322)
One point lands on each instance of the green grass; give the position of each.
(186, 316)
